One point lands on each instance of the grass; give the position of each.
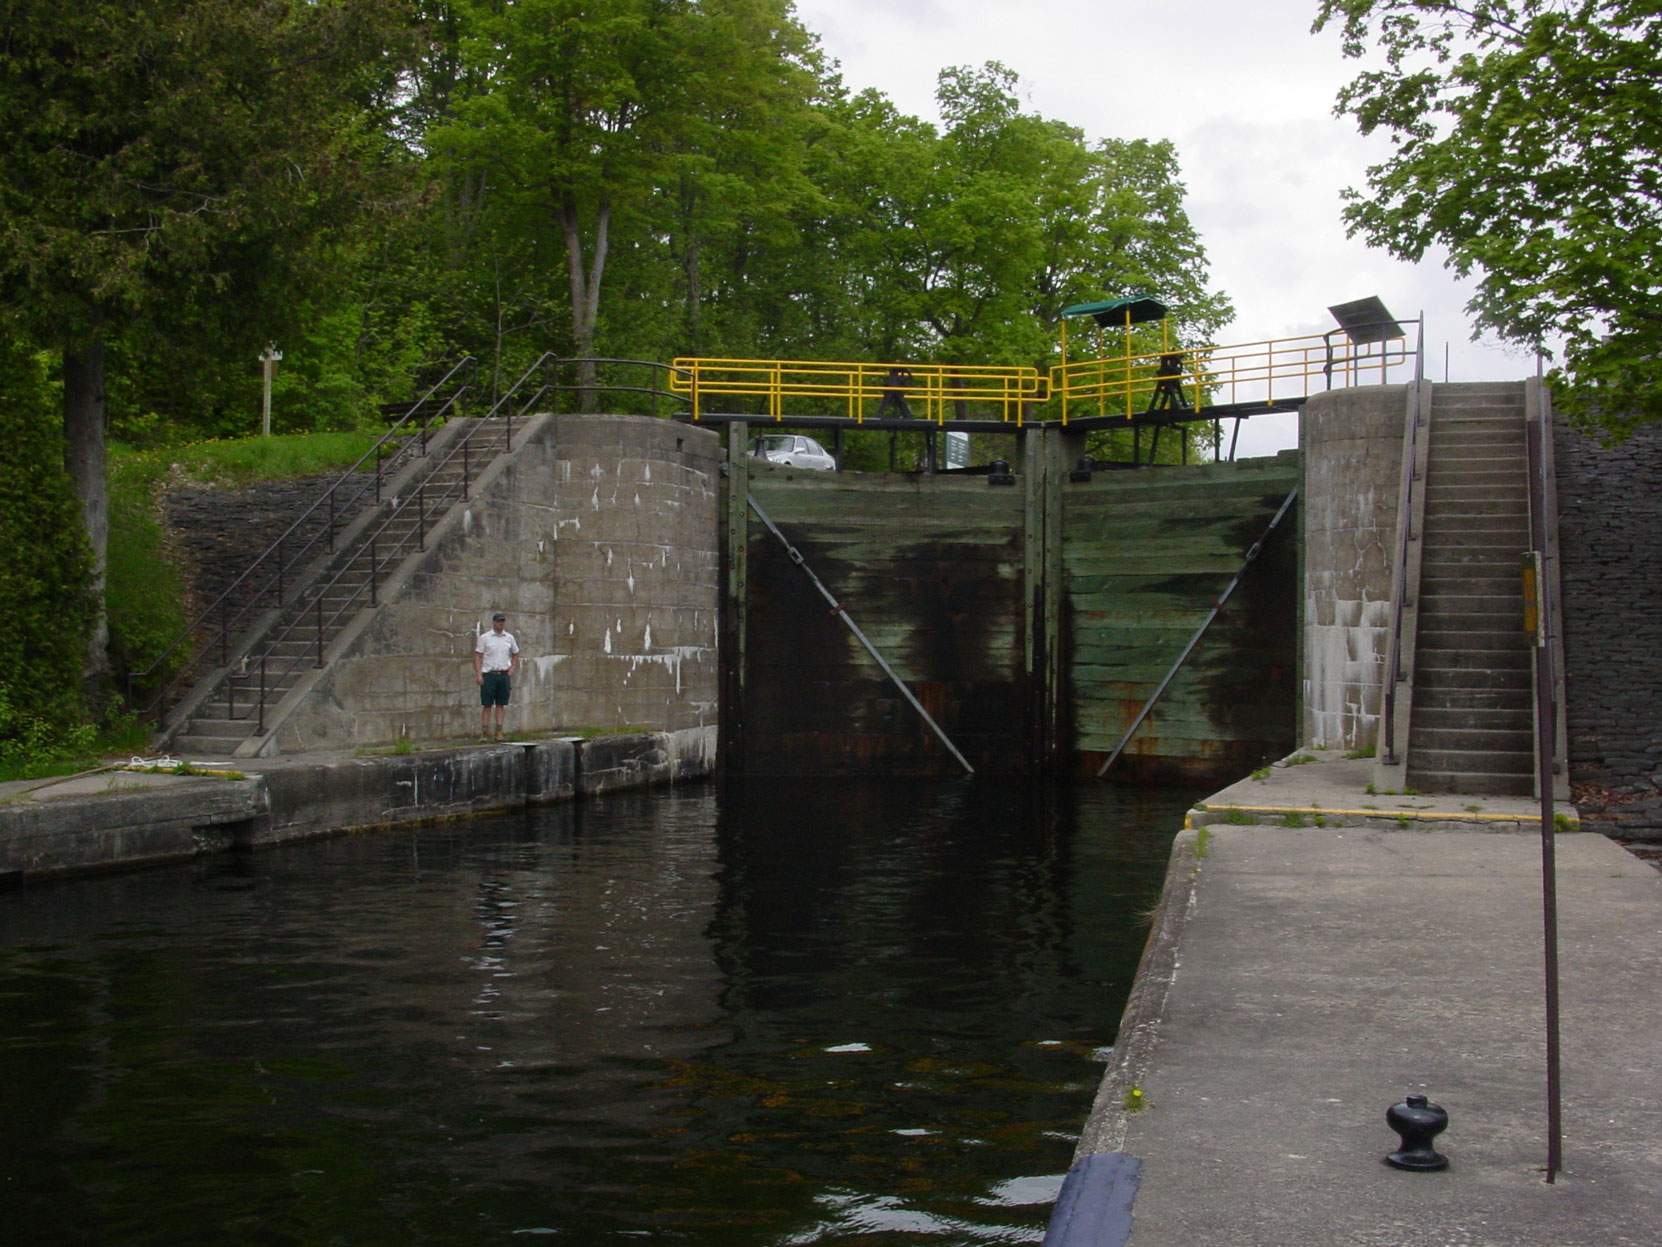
(1239, 818)
(1292, 819)
(1366, 752)
(1134, 1101)
(1203, 842)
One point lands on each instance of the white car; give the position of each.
(791, 451)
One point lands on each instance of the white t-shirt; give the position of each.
(498, 649)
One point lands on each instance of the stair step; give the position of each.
(1464, 718)
(1473, 761)
(1476, 785)
(191, 743)
(1435, 658)
(1433, 637)
(1468, 739)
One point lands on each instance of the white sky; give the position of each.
(1246, 93)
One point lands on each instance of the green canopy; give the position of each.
(1142, 307)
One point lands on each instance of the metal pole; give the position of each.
(837, 609)
(259, 729)
(1546, 728)
(1217, 606)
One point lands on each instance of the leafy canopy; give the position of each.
(1527, 137)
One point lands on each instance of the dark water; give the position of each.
(827, 1012)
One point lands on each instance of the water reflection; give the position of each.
(827, 1012)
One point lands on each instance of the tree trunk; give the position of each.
(585, 292)
(83, 458)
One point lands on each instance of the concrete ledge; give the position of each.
(637, 761)
(315, 797)
(117, 819)
(1134, 1043)
(62, 829)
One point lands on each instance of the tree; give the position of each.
(1527, 140)
(160, 162)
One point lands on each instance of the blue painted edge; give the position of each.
(1093, 1208)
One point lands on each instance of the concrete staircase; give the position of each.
(224, 712)
(1472, 723)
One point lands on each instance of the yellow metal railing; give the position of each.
(1130, 384)
(857, 390)
(1211, 376)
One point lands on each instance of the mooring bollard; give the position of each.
(1418, 1121)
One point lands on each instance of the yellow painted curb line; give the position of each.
(1463, 816)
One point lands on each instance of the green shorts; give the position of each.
(494, 690)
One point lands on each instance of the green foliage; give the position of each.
(46, 604)
(1528, 136)
(1292, 819)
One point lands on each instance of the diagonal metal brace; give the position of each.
(837, 609)
(1251, 554)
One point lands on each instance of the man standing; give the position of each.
(495, 659)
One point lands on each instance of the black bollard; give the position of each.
(1418, 1121)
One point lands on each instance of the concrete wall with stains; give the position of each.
(597, 538)
(1352, 442)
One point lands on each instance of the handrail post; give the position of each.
(320, 629)
(421, 516)
(230, 694)
(467, 470)
(373, 601)
(259, 728)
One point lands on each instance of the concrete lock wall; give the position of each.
(597, 538)
(1352, 442)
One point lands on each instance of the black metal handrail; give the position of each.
(539, 381)
(423, 411)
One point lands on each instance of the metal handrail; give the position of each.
(1211, 376)
(1385, 745)
(424, 414)
(853, 385)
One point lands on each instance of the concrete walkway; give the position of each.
(1300, 980)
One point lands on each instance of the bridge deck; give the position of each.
(1143, 420)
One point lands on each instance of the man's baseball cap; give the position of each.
(498, 615)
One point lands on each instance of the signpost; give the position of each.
(268, 363)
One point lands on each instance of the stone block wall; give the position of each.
(598, 540)
(1610, 535)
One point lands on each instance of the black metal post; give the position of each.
(320, 629)
(230, 694)
(372, 562)
(466, 442)
(421, 516)
(259, 728)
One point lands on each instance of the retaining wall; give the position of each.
(1610, 535)
(597, 538)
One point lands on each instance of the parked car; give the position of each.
(792, 451)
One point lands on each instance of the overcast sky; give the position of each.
(1246, 93)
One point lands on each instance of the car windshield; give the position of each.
(765, 444)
